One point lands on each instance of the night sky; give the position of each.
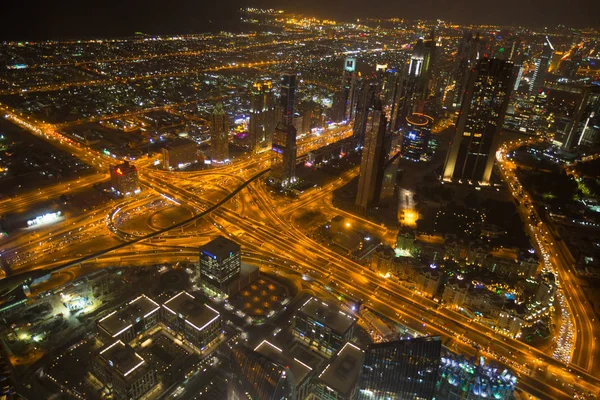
(30, 20)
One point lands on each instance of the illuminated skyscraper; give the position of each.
(404, 369)
(415, 137)
(219, 137)
(287, 95)
(415, 87)
(262, 115)
(366, 99)
(349, 88)
(283, 167)
(584, 128)
(541, 67)
(471, 155)
(372, 161)
(468, 54)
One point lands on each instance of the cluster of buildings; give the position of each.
(123, 363)
(504, 290)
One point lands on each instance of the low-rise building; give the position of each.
(179, 154)
(124, 373)
(136, 317)
(338, 379)
(323, 326)
(124, 179)
(196, 323)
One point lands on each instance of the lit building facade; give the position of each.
(219, 136)
(415, 138)
(472, 151)
(125, 374)
(349, 88)
(461, 379)
(196, 323)
(179, 154)
(323, 327)
(283, 167)
(132, 320)
(403, 369)
(338, 379)
(541, 67)
(372, 162)
(220, 261)
(262, 115)
(124, 179)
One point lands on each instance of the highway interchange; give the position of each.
(264, 226)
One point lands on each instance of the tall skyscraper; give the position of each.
(415, 137)
(366, 99)
(415, 87)
(283, 167)
(219, 138)
(468, 54)
(287, 96)
(541, 67)
(372, 161)
(471, 154)
(262, 115)
(404, 369)
(584, 128)
(349, 88)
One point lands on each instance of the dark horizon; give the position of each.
(70, 19)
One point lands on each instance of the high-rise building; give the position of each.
(322, 326)
(219, 137)
(403, 369)
(366, 99)
(262, 115)
(220, 261)
(287, 96)
(471, 154)
(468, 54)
(283, 167)
(372, 161)
(415, 137)
(349, 88)
(541, 67)
(584, 128)
(124, 179)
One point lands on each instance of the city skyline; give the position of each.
(301, 207)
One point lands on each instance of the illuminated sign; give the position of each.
(119, 171)
(210, 255)
(350, 65)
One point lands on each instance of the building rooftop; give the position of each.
(193, 311)
(220, 248)
(180, 143)
(297, 368)
(120, 320)
(126, 362)
(328, 314)
(342, 373)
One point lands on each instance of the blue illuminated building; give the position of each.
(415, 137)
(220, 261)
(462, 379)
